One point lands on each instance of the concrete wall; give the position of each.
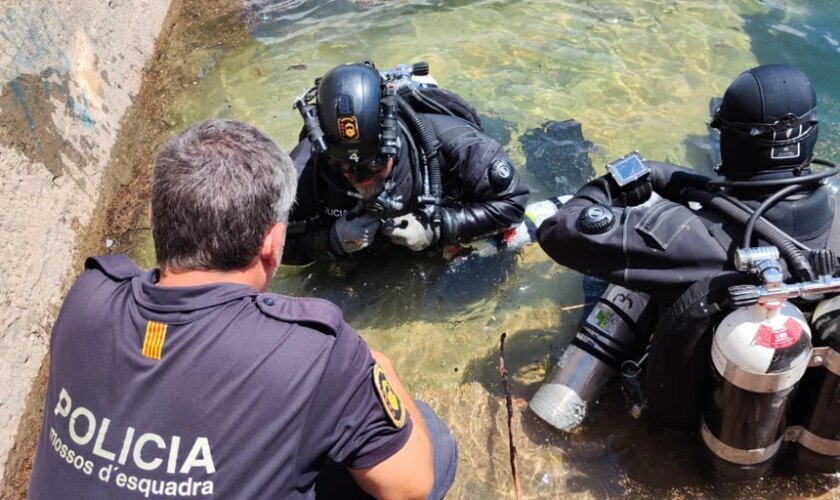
(68, 71)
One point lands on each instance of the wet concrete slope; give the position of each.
(69, 69)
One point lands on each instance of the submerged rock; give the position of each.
(557, 154)
(498, 128)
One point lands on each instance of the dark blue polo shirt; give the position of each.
(213, 391)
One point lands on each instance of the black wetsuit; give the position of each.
(663, 247)
(474, 202)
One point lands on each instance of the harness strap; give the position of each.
(597, 354)
(587, 339)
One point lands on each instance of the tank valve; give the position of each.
(420, 68)
(764, 263)
(744, 295)
(747, 258)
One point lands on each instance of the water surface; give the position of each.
(638, 75)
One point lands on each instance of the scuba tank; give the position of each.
(743, 426)
(519, 236)
(608, 337)
(818, 400)
(759, 354)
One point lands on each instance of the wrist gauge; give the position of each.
(628, 169)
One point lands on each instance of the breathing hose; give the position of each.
(832, 171)
(766, 204)
(746, 208)
(797, 262)
(430, 150)
(417, 94)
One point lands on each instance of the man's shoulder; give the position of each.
(116, 267)
(455, 134)
(94, 289)
(317, 314)
(440, 120)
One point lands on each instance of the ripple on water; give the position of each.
(637, 75)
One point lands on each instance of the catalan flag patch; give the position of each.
(153, 342)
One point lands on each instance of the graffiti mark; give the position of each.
(20, 95)
(80, 109)
(31, 33)
(26, 124)
(40, 78)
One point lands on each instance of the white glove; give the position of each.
(409, 231)
(352, 235)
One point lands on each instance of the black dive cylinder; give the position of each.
(759, 354)
(818, 400)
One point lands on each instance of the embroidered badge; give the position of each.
(153, 342)
(348, 129)
(388, 397)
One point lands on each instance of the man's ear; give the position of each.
(272, 245)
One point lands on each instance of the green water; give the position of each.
(637, 75)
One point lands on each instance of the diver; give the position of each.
(670, 234)
(614, 230)
(392, 154)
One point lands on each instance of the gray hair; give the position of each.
(217, 189)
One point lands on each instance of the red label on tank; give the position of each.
(783, 337)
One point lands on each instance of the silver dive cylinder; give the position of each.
(605, 339)
(817, 402)
(759, 354)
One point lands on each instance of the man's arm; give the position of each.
(659, 248)
(670, 181)
(307, 238)
(409, 473)
(600, 255)
(305, 244)
(491, 195)
(361, 417)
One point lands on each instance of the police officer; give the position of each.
(768, 128)
(384, 156)
(191, 380)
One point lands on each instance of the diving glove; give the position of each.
(351, 235)
(638, 193)
(410, 231)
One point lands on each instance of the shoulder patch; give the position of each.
(320, 314)
(391, 402)
(118, 267)
(500, 174)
